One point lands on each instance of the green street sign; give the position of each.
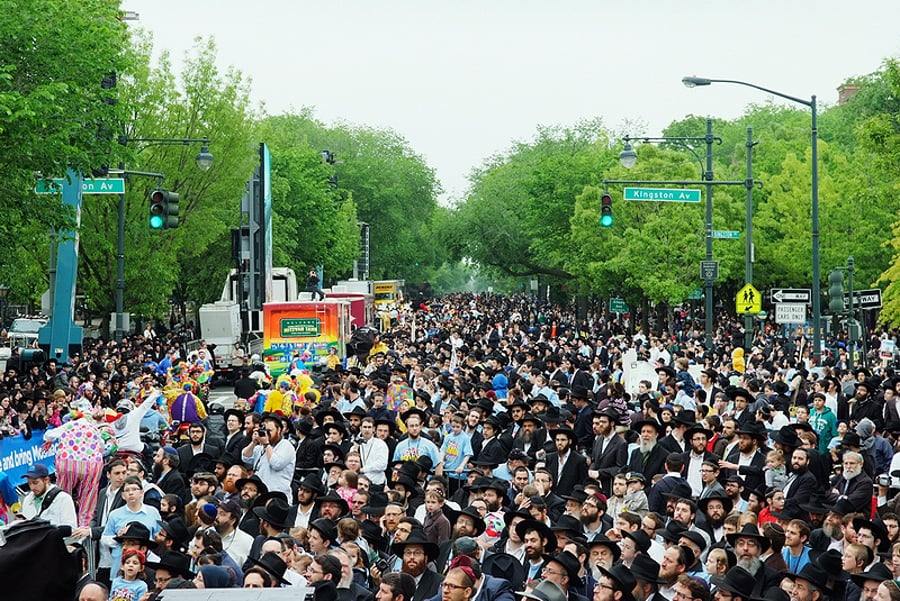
(303, 327)
(618, 305)
(696, 294)
(114, 185)
(726, 234)
(661, 194)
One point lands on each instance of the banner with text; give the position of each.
(16, 454)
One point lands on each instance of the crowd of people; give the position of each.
(483, 448)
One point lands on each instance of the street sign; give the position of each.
(114, 185)
(709, 270)
(618, 305)
(864, 299)
(726, 234)
(748, 300)
(790, 313)
(661, 194)
(696, 294)
(791, 295)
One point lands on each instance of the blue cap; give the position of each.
(171, 450)
(37, 470)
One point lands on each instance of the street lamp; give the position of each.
(692, 82)
(204, 161)
(628, 157)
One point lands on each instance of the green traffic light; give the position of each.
(606, 221)
(156, 222)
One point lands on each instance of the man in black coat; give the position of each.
(609, 452)
(196, 446)
(649, 458)
(675, 442)
(581, 397)
(568, 467)
(165, 472)
(745, 459)
(235, 439)
(800, 485)
(853, 484)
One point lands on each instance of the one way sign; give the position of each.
(791, 295)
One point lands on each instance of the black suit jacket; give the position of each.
(655, 464)
(584, 428)
(671, 445)
(611, 462)
(173, 483)
(98, 521)
(753, 474)
(858, 493)
(799, 493)
(573, 472)
(233, 447)
(186, 455)
(428, 585)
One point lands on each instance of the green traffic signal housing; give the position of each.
(836, 292)
(163, 210)
(606, 214)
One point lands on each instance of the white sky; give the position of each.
(462, 79)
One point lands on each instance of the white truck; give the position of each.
(220, 328)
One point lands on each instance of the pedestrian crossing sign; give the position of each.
(748, 300)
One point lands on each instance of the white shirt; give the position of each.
(237, 545)
(693, 474)
(374, 455)
(60, 513)
(276, 472)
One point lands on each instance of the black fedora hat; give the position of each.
(816, 504)
(640, 539)
(417, 537)
(357, 411)
(235, 412)
(877, 573)
(371, 532)
(668, 370)
(414, 411)
(272, 564)
(813, 574)
(518, 513)
(139, 532)
(565, 431)
(303, 426)
(337, 451)
(680, 491)
(276, 512)
(749, 531)
(569, 563)
(176, 530)
(788, 437)
(568, 523)
(313, 482)
(254, 479)
(504, 565)
(755, 430)
(326, 528)
(878, 531)
(831, 561)
(453, 515)
(377, 503)
(639, 424)
(578, 495)
(734, 392)
(727, 503)
(175, 563)
(542, 529)
(529, 417)
(553, 415)
(685, 417)
(645, 569)
(601, 540)
(697, 429)
(738, 581)
(672, 532)
(333, 497)
(624, 579)
(339, 426)
(390, 423)
(334, 413)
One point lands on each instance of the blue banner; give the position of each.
(16, 454)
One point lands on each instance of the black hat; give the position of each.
(645, 569)
(176, 530)
(553, 415)
(788, 437)
(333, 497)
(276, 512)
(254, 479)
(235, 412)
(326, 528)
(372, 533)
(390, 423)
(565, 431)
(738, 581)
(668, 370)
(542, 528)
(339, 426)
(414, 411)
(529, 417)
(877, 573)
(878, 531)
(872, 387)
(685, 417)
(697, 428)
(272, 564)
(139, 532)
(568, 523)
(727, 503)
(569, 562)
(637, 425)
(816, 505)
(334, 413)
(453, 515)
(314, 483)
(831, 561)
(734, 392)
(694, 537)
(174, 562)
(624, 579)
(578, 495)
(749, 531)
(504, 565)
(377, 503)
(672, 532)
(357, 410)
(417, 537)
(600, 540)
(680, 491)
(518, 513)
(640, 539)
(812, 574)
(755, 430)
(324, 590)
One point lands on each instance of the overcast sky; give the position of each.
(462, 79)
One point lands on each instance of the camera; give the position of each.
(262, 432)
(383, 566)
(884, 480)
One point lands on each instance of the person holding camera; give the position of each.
(270, 455)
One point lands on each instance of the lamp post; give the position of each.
(628, 157)
(692, 82)
(204, 161)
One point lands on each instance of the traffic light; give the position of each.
(836, 292)
(163, 210)
(606, 215)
